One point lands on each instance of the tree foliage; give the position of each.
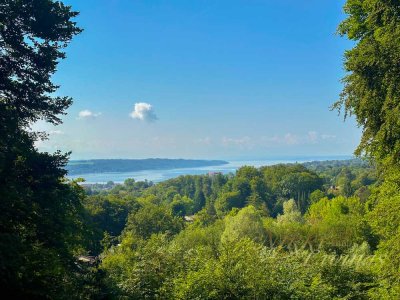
(42, 219)
(371, 90)
(320, 230)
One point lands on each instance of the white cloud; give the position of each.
(290, 139)
(328, 136)
(87, 114)
(143, 112)
(203, 141)
(247, 142)
(242, 142)
(270, 140)
(285, 140)
(312, 136)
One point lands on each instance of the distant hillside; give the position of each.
(76, 167)
(324, 164)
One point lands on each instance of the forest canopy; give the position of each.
(319, 230)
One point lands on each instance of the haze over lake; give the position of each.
(161, 175)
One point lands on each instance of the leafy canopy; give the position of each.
(371, 87)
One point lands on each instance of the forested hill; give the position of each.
(131, 165)
(274, 232)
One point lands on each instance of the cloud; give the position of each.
(286, 140)
(312, 136)
(328, 136)
(242, 142)
(203, 141)
(290, 139)
(143, 112)
(87, 114)
(247, 142)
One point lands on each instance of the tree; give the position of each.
(290, 230)
(291, 213)
(138, 268)
(246, 224)
(151, 219)
(316, 196)
(182, 206)
(226, 201)
(339, 222)
(41, 215)
(33, 34)
(288, 181)
(371, 90)
(384, 219)
(108, 215)
(199, 200)
(299, 186)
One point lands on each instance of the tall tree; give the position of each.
(371, 87)
(40, 215)
(372, 94)
(33, 35)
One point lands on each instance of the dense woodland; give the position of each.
(279, 231)
(322, 230)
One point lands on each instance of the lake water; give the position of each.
(161, 175)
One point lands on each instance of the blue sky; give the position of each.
(210, 79)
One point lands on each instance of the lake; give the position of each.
(161, 175)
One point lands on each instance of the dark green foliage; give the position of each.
(107, 215)
(182, 206)
(33, 34)
(289, 181)
(226, 201)
(151, 219)
(41, 219)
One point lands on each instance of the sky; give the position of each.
(212, 79)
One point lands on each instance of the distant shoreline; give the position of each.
(162, 174)
(81, 167)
